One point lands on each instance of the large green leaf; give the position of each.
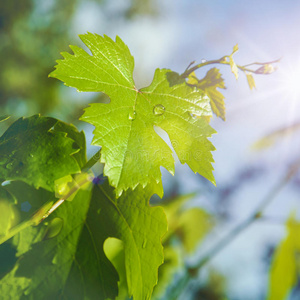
(131, 149)
(39, 150)
(73, 265)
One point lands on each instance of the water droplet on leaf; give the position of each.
(192, 115)
(132, 115)
(158, 110)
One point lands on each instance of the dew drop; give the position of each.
(203, 60)
(158, 110)
(132, 115)
(192, 115)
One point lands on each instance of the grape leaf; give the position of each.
(131, 149)
(167, 272)
(283, 273)
(38, 150)
(209, 85)
(8, 214)
(72, 264)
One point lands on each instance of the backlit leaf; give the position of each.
(131, 149)
(233, 66)
(209, 85)
(251, 81)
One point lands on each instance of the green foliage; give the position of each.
(128, 120)
(72, 264)
(25, 153)
(209, 85)
(107, 242)
(285, 268)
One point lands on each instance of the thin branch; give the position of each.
(45, 210)
(266, 63)
(223, 61)
(221, 244)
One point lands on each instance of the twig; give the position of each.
(45, 211)
(221, 244)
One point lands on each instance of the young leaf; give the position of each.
(283, 273)
(209, 85)
(233, 66)
(251, 81)
(72, 264)
(131, 150)
(38, 150)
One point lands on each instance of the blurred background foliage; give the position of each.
(171, 34)
(32, 34)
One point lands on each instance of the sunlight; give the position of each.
(290, 80)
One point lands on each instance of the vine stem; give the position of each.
(223, 61)
(47, 209)
(222, 243)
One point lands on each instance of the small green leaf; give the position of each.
(38, 150)
(283, 273)
(131, 149)
(235, 48)
(233, 66)
(209, 85)
(251, 81)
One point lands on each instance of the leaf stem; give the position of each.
(49, 208)
(91, 162)
(223, 61)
